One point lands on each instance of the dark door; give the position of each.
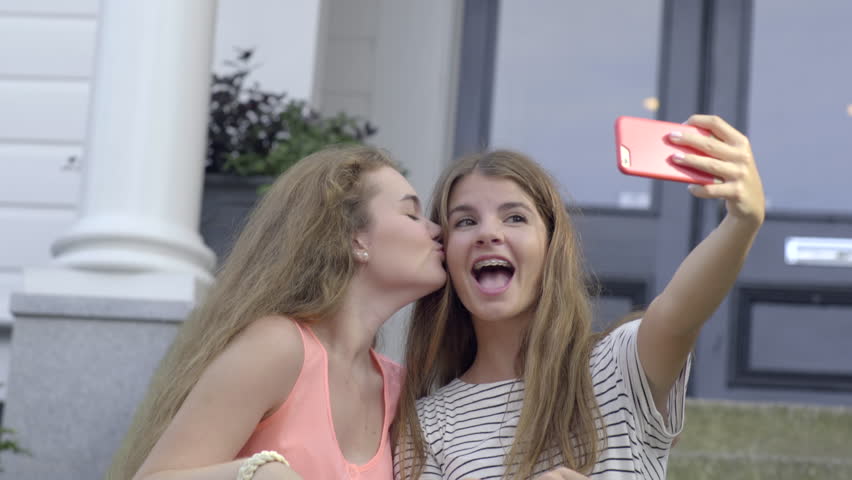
(781, 70)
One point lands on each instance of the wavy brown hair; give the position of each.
(294, 258)
(559, 408)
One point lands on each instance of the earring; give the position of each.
(363, 256)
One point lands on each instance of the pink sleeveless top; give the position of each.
(302, 428)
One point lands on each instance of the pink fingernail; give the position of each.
(678, 157)
(676, 134)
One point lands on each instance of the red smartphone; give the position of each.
(643, 149)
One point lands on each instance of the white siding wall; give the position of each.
(46, 56)
(283, 34)
(47, 51)
(394, 63)
(347, 66)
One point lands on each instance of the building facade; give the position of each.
(98, 266)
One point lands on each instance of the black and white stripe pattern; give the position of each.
(469, 428)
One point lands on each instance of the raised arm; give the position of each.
(673, 320)
(247, 381)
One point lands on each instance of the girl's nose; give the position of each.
(489, 234)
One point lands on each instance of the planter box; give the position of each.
(225, 206)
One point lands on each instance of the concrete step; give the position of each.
(739, 440)
(698, 466)
(714, 426)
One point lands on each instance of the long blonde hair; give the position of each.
(559, 409)
(293, 258)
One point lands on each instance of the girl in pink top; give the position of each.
(279, 355)
(303, 426)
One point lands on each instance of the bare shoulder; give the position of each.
(276, 337)
(264, 359)
(244, 383)
(269, 347)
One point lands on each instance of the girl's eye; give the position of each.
(464, 222)
(516, 218)
(413, 217)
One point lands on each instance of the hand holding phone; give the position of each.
(643, 149)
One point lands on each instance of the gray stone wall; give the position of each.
(79, 368)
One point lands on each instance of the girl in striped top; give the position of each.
(506, 378)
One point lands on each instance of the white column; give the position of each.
(145, 149)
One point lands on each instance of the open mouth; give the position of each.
(493, 275)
